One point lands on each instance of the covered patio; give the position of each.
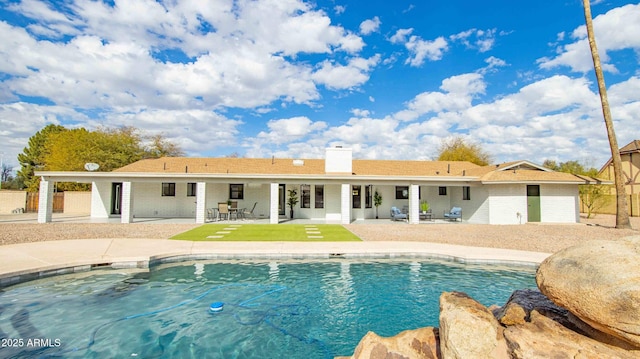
(79, 218)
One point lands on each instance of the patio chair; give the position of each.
(223, 210)
(212, 216)
(396, 214)
(454, 214)
(244, 213)
(233, 209)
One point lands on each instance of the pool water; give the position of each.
(277, 309)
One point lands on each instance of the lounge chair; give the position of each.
(396, 214)
(244, 213)
(454, 214)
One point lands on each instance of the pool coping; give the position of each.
(29, 261)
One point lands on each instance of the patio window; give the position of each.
(168, 189)
(319, 196)
(466, 193)
(305, 191)
(357, 196)
(191, 189)
(236, 191)
(402, 192)
(442, 191)
(368, 196)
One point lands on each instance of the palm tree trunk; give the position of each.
(622, 213)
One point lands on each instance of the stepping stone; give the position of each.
(312, 232)
(231, 229)
(213, 237)
(223, 232)
(310, 225)
(235, 225)
(314, 237)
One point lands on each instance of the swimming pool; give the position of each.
(293, 309)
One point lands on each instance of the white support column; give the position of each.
(45, 204)
(126, 215)
(414, 203)
(345, 203)
(201, 202)
(273, 203)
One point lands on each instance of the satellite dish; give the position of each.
(91, 166)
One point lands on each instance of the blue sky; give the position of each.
(288, 78)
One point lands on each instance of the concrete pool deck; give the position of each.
(28, 261)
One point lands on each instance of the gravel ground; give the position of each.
(547, 238)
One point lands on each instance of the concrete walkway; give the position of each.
(28, 261)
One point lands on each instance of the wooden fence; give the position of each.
(33, 198)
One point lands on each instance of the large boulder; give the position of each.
(468, 329)
(598, 282)
(411, 344)
(544, 338)
(522, 302)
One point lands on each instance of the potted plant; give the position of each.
(292, 200)
(377, 201)
(424, 206)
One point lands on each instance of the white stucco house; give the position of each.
(337, 189)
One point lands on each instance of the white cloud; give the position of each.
(424, 49)
(370, 26)
(555, 117)
(246, 62)
(338, 77)
(433, 50)
(360, 112)
(486, 40)
(551, 118)
(544, 97)
(493, 63)
(108, 63)
(481, 40)
(289, 130)
(615, 30)
(339, 9)
(400, 37)
(457, 94)
(420, 49)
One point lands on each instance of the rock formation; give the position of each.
(599, 282)
(588, 306)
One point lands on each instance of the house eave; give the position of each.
(229, 177)
(538, 182)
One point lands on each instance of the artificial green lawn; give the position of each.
(268, 232)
